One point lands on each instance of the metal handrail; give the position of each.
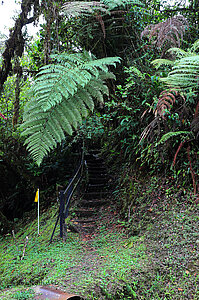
(63, 210)
(74, 177)
(71, 194)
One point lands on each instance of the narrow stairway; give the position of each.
(95, 195)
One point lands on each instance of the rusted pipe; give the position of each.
(52, 293)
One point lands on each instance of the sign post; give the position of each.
(37, 200)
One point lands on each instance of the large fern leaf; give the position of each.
(62, 94)
(185, 73)
(178, 54)
(86, 8)
(112, 4)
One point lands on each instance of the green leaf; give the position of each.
(61, 96)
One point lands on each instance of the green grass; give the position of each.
(160, 262)
(77, 265)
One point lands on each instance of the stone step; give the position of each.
(82, 221)
(93, 202)
(97, 171)
(95, 195)
(84, 225)
(96, 167)
(85, 212)
(98, 175)
(97, 185)
(96, 180)
(96, 188)
(93, 158)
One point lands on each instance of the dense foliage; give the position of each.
(149, 118)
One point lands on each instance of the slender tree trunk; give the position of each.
(15, 43)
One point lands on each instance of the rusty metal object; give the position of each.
(52, 293)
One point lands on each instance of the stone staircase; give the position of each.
(95, 195)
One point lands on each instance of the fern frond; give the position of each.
(112, 4)
(194, 47)
(157, 63)
(165, 101)
(84, 8)
(184, 74)
(179, 53)
(79, 8)
(167, 33)
(171, 134)
(62, 94)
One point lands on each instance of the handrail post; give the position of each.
(54, 228)
(67, 200)
(61, 212)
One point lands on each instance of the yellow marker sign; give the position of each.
(37, 196)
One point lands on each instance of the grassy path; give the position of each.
(161, 262)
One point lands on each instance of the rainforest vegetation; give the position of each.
(120, 77)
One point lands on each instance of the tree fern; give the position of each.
(185, 73)
(80, 8)
(62, 94)
(85, 8)
(177, 53)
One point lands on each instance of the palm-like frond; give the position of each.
(61, 96)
